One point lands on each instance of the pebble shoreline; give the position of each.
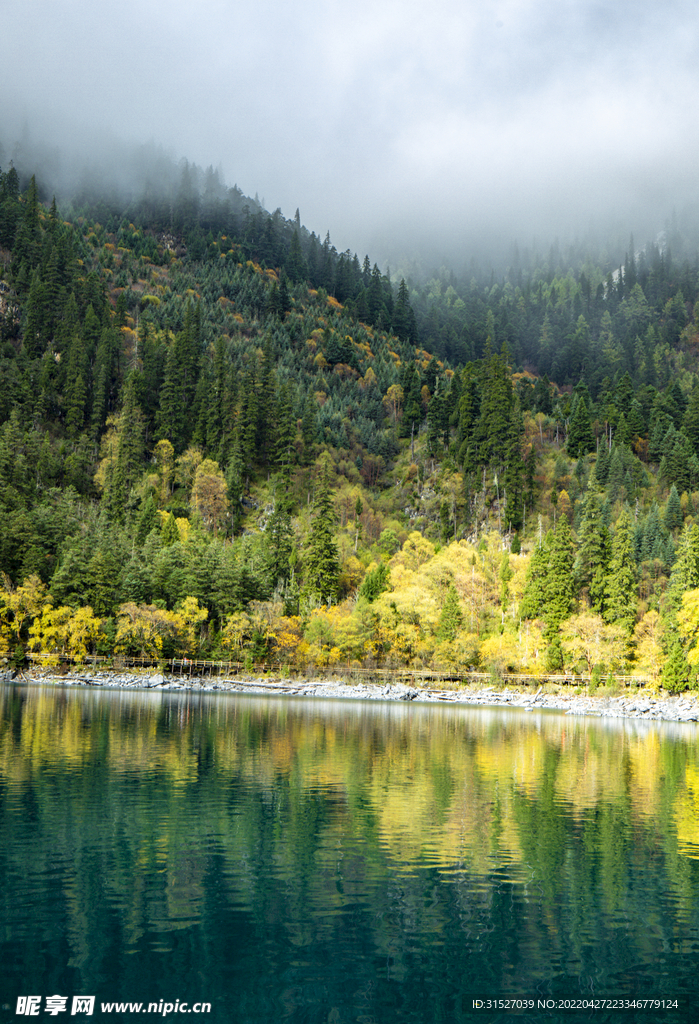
(681, 708)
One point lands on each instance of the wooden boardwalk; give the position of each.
(409, 676)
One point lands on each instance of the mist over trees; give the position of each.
(221, 436)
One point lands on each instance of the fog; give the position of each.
(450, 128)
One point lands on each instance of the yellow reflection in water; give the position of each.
(453, 788)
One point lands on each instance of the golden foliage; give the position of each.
(145, 628)
(688, 623)
(64, 631)
(650, 656)
(210, 494)
(586, 636)
(18, 607)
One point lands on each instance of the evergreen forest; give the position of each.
(222, 438)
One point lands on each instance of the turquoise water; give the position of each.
(327, 861)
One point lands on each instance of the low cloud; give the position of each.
(391, 125)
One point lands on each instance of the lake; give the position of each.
(286, 859)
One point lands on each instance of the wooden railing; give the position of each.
(409, 676)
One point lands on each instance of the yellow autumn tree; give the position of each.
(236, 632)
(186, 467)
(650, 656)
(18, 607)
(250, 634)
(393, 402)
(64, 632)
(688, 625)
(335, 635)
(141, 630)
(188, 619)
(589, 638)
(210, 494)
(500, 652)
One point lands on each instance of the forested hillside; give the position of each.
(221, 437)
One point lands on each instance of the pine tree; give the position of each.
(581, 440)
(602, 464)
(376, 582)
(75, 389)
(295, 264)
(620, 600)
(27, 243)
(148, 520)
(514, 474)
(35, 313)
(676, 672)
(171, 415)
(451, 616)
(169, 531)
(673, 510)
(615, 480)
(279, 538)
(321, 562)
(403, 314)
(534, 596)
(559, 591)
(690, 422)
(493, 430)
(593, 554)
(685, 571)
(128, 463)
(266, 405)
(286, 431)
(309, 429)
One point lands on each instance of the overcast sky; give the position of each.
(383, 120)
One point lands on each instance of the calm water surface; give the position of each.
(327, 861)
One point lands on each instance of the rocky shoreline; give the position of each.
(642, 705)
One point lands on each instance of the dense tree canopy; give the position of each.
(217, 433)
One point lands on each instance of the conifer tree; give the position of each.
(103, 578)
(514, 474)
(451, 616)
(620, 599)
(213, 405)
(248, 420)
(581, 440)
(309, 429)
(279, 538)
(376, 582)
(593, 554)
(496, 407)
(690, 422)
(129, 451)
(169, 531)
(147, 520)
(673, 510)
(27, 244)
(602, 464)
(295, 264)
(403, 316)
(171, 415)
(534, 596)
(35, 337)
(285, 433)
(617, 473)
(321, 562)
(676, 672)
(266, 404)
(685, 571)
(559, 591)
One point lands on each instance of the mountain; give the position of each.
(220, 436)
